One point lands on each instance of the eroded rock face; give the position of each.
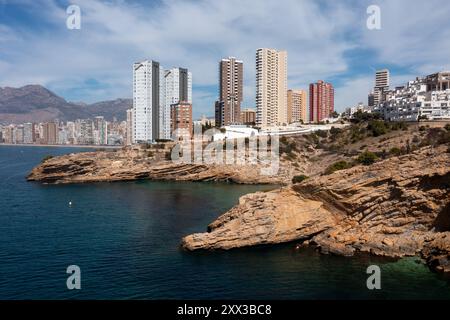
(132, 164)
(264, 218)
(437, 252)
(390, 207)
(397, 207)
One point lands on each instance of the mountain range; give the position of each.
(35, 103)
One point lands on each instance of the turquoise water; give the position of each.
(125, 238)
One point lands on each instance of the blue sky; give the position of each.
(325, 39)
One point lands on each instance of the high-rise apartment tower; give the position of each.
(271, 87)
(228, 107)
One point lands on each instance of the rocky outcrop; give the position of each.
(264, 218)
(137, 164)
(436, 252)
(397, 207)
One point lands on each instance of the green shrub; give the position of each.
(335, 131)
(399, 126)
(287, 147)
(357, 133)
(377, 128)
(367, 158)
(395, 151)
(340, 165)
(436, 136)
(447, 127)
(299, 179)
(360, 116)
(322, 133)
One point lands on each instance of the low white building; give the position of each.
(235, 132)
(349, 112)
(415, 100)
(437, 105)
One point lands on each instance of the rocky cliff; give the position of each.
(138, 164)
(396, 207)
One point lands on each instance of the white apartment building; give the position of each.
(412, 101)
(382, 81)
(63, 136)
(349, 112)
(154, 91)
(28, 133)
(148, 88)
(86, 133)
(19, 134)
(437, 105)
(71, 132)
(100, 131)
(271, 88)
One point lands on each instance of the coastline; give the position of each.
(130, 164)
(60, 146)
(393, 206)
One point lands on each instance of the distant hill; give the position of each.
(35, 103)
(111, 108)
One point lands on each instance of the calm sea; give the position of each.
(125, 238)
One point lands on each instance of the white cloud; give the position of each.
(413, 34)
(193, 34)
(197, 34)
(353, 92)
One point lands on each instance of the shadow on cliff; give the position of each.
(428, 183)
(442, 221)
